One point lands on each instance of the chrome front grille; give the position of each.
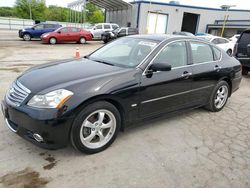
(17, 93)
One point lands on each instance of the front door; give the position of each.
(167, 91)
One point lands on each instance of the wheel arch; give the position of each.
(108, 98)
(228, 80)
(26, 32)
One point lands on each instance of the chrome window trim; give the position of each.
(176, 94)
(183, 40)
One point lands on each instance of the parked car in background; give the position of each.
(99, 28)
(37, 30)
(183, 33)
(202, 34)
(119, 32)
(67, 34)
(223, 43)
(242, 51)
(88, 101)
(234, 38)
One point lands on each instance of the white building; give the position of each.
(158, 17)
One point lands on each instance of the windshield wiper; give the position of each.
(104, 62)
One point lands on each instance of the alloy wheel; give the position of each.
(221, 97)
(97, 129)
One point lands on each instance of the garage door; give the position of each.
(157, 23)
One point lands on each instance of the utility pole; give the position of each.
(30, 9)
(226, 8)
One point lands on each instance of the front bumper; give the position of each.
(20, 34)
(55, 132)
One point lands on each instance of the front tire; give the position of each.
(26, 37)
(219, 97)
(95, 127)
(52, 40)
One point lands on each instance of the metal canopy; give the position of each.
(111, 4)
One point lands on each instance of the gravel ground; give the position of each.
(194, 149)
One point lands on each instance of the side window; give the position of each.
(215, 41)
(122, 32)
(201, 52)
(98, 27)
(114, 26)
(217, 54)
(48, 26)
(174, 54)
(64, 30)
(38, 27)
(73, 29)
(223, 41)
(106, 26)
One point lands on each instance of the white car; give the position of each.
(100, 28)
(235, 38)
(221, 42)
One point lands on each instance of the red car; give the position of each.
(67, 34)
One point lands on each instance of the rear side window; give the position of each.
(49, 26)
(201, 52)
(223, 41)
(106, 26)
(73, 29)
(217, 54)
(174, 54)
(245, 38)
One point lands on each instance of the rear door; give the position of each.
(206, 70)
(167, 91)
(75, 33)
(49, 28)
(98, 30)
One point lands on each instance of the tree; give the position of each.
(55, 13)
(37, 7)
(7, 12)
(94, 14)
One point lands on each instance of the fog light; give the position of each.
(38, 137)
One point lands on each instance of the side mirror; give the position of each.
(160, 67)
(59, 32)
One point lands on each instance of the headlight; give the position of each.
(54, 99)
(44, 35)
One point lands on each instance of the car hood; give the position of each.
(65, 73)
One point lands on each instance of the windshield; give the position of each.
(125, 52)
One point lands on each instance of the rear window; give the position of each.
(245, 37)
(73, 29)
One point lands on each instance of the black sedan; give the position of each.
(117, 33)
(88, 101)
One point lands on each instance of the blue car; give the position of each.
(37, 30)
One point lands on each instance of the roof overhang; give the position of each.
(111, 4)
(228, 26)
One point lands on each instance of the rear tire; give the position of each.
(82, 40)
(52, 40)
(95, 128)
(26, 37)
(219, 97)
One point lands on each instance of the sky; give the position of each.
(240, 4)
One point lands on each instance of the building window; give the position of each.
(157, 23)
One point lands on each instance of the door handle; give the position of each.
(217, 68)
(186, 74)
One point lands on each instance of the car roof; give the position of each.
(161, 37)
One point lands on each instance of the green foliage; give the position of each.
(38, 8)
(55, 13)
(94, 14)
(40, 12)
(7, 12)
